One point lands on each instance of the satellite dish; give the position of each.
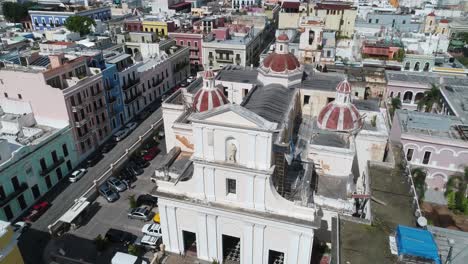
(422, 221)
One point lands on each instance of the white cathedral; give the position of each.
(250, 177)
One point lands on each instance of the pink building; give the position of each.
(68, 91)
(193, 40)
(133, 25)
(379, 49)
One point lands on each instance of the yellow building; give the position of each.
(160, 27)
(339, 16)
(9, 252)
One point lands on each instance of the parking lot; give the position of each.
(104, 215)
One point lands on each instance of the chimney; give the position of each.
(56, 60)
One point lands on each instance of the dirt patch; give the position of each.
(441, 216)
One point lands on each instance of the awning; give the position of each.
(416, 242)
(292, 5)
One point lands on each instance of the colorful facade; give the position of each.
(160, 27)
(9, 251)
(33, 169)
(53, 17)
(194, 41)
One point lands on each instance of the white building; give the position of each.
(244, 180)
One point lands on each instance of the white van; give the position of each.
(123, 258)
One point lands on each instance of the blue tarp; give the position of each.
(416, 242)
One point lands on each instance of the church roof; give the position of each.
(281, 62)
(270, 102)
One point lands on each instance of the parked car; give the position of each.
(116, 184)
(94, 159)
(126, 175)
(147, 199)
(134, 168)
(121, 134)
(139, 161)
(143, 115)
(76, 175)
(108, 193)
(119, 236)
(148, 242)
(161, 134)
(20, 226)
(151, 153)
(131, 126)
(36, 211)
(152, 230)
(142, 213)
(108, 146)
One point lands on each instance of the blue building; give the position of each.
(47, 17)
(114, 97)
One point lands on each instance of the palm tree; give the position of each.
(394, 104)
(430, 98)
(419, 180)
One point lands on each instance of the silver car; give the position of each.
(108, 193)
(142, 213)
(116, 184)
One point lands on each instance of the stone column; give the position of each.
(258, 238)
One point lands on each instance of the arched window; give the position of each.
(426, 67)
(407, 66)
(407, 97)
(391, 94)
(430, 23)
(416, 66)
(232, 150)
(281, 47)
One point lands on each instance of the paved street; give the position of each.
(62, 197)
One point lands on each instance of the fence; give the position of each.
(91, 193)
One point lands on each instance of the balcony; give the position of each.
(97, 94)
(112, 99)
(5, 200)
(194, 48)
(194, 57)
(81, 123)
(158, 82)
(53, 166)
(108, 87)
(77, 108)
(130, 84)
(131, 99)
(228, 60)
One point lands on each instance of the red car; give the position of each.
(36, 211)
(151, 153)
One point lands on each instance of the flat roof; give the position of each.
(330, 139)
(442, 236)
(233, 73)
(322, 81)
(433, 125)
(362, 243)
(457, 98)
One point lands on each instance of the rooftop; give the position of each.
(322, 81)
(363, 243)
(433, 125)
(425, 78)
(232, 73)
(457, 98)
(270, 102)
(233, 40)
(330, 139)
(442, 236)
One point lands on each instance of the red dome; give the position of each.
(341, 117)
(283, 37)
(281, 62)
(431, 14)
(208, 74)
(207, 99)
(343, 87)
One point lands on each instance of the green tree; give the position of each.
(132, 201)
(79, 24)
(451, 200)
(101, 243)
(134, 250)
(15, 12)
(399, 55)
(431, 97)
(419, 180)
(394, 105)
